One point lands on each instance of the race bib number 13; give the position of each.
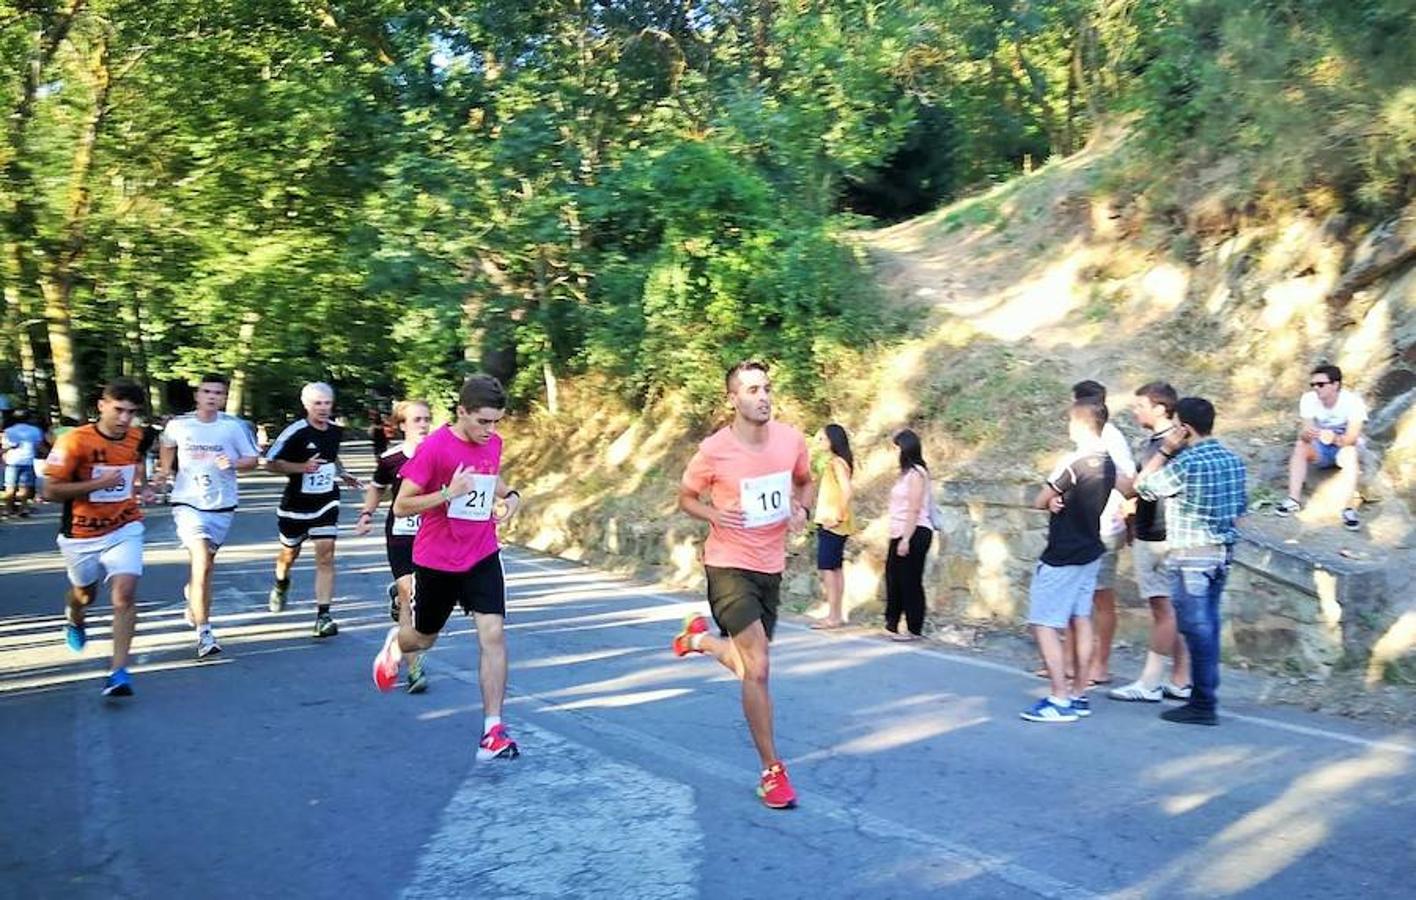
(767, 499)
(476, 504)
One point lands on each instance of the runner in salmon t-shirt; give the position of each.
(454, 484)
(97, 471)
(757, 476)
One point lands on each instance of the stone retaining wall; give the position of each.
(1288, 608)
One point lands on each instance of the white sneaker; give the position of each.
(207, 645)
(1136, 692)
(1174, 691)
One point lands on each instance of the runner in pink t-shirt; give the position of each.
(454, 483)
(756, 474)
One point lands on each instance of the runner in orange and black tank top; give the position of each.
(86, 453)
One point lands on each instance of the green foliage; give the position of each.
(390, 194)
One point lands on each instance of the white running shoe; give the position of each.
(1174, 691)
(1135, 692)
(207, 645)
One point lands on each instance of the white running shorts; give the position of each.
(117, 553)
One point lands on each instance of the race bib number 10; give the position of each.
(766, 500)
(120, 491)
(320, 481)
(476, 504)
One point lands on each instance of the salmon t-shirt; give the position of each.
(758, 482)
(455, 536)
(83, 455)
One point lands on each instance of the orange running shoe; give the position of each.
(693, 624)
(386, 663)
(776, 788)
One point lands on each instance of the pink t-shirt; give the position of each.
(454, 537)
(757, 481)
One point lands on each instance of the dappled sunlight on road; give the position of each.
(895, 733)
(1277, 835)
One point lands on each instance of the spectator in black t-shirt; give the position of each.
(1154, 409)
(1075, 494)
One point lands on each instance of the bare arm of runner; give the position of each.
(373, 496)
(506, 495)
(413, 498)
(692, 504)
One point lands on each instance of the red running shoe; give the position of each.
(497, 744)
(776, 788)
(693, 624)
(386, 663)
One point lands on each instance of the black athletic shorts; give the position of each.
(293, 532)
(739, 597)
(400, 556)
(481, 589)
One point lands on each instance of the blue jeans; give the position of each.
(1196, 586)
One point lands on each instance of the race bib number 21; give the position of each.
(476, 504)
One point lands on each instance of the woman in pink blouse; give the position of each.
(910, 537)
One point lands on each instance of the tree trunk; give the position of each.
(57, 285)
(236, 397)
(18, 220)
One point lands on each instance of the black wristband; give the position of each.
(509, 493)
(1166, 455)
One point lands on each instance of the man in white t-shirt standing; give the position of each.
(1113, 536)
(206, 448)
(1328, 437)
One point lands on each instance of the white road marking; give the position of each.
(581, 825)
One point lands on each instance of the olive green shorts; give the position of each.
(739, 597)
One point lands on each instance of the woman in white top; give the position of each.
(910, 537)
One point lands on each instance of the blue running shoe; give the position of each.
(118, 684)
(1082, 707)
(1045, 710)
(75, 636)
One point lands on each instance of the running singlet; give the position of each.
(456, 536)
(308, 495)
(200, 482)
(85, 454)
(758, 482)
(387, 475)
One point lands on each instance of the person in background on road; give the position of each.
(307, 453)
(1063, 584)
(97, 472)
(1154, 408)
(757, 476)
(21, 441)
(1203, 484)
(1329, 436)
(910, 536)
(454, 484)
(1113, 535)
(378, 433)
(415, 418)
(833, 519)
(204, 450)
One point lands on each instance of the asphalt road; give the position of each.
(277, 770)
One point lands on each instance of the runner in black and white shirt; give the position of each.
(415, 419)
(307, 452)
(205, 449)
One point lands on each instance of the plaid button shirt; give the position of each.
(1204, 492)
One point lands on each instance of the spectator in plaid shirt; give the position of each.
(1203, 485)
